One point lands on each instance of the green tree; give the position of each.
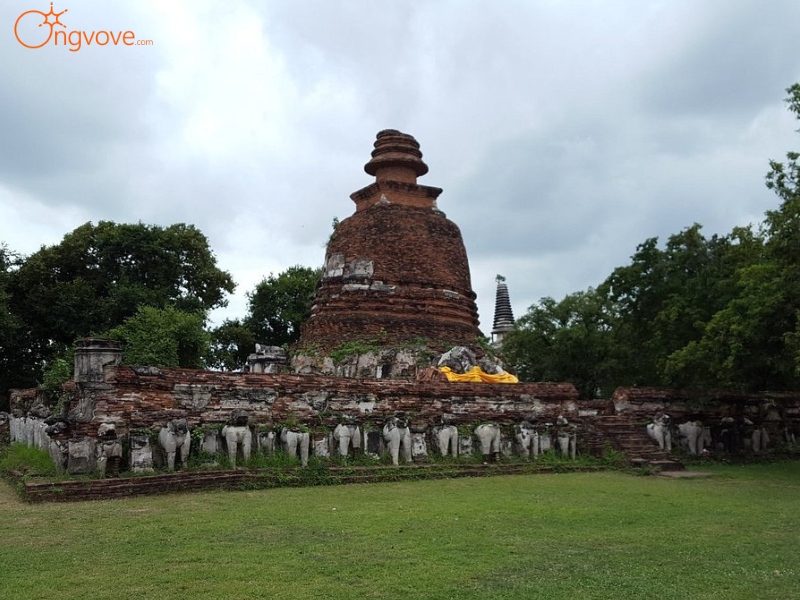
(784, 178)
(666, 297)
(163, 337)
(278, 306)
(16, 364)
(568, 340)
(753, 342)
(99, 275)
(231, 344)
(742, 344)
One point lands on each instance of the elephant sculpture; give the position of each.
(109, 450)
(396, 434)
(141, 454)
(447, 439)
(347, 436)
(759, 438)
(293, 440)
(659, 431)
(59, 452)
(175, 440)
(237, 435)
(706, 440)
(691, 436)
(488, 436)
(527, 439)
(566, 437)
(789, 436)
(265, 441)
(729, 434)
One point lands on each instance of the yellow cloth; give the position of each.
(477, 374)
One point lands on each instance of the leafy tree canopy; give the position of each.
(280, 304)
(163, 337)
(231, 344)
(566, 341)
(16, 364)
(98, 276)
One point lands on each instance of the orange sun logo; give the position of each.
(46, 20)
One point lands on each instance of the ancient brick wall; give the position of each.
(136, 401)
(712, 406)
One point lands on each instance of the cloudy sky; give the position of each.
(563, 133)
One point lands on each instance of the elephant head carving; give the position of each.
(175, 440)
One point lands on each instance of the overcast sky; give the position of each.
(563, 133)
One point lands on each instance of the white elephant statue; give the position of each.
(759, 440)
(488, 436)
(527, 440)
(706, 441)
(567, 442)
(566, 437)
(109, 449)
(175, 440)
(789, 436)
(659, 431)
(447, 439)
(347, 436)
(293, 440)
(419, 447)
(238, 436)
(691, 436)
(141, 454)
(396, 434)
(265, 441)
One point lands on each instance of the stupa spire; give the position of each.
(503, 316)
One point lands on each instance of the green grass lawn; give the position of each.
(580, 535)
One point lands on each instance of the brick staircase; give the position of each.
(629, 436)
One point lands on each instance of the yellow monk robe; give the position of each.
(476, 374)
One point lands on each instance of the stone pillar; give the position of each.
(92, 355)
(267, 359)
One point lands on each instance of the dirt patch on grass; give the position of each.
(685, 474)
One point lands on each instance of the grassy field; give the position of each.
(598, 535)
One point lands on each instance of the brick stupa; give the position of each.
(396, 287)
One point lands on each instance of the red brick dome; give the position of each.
(396, 271)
